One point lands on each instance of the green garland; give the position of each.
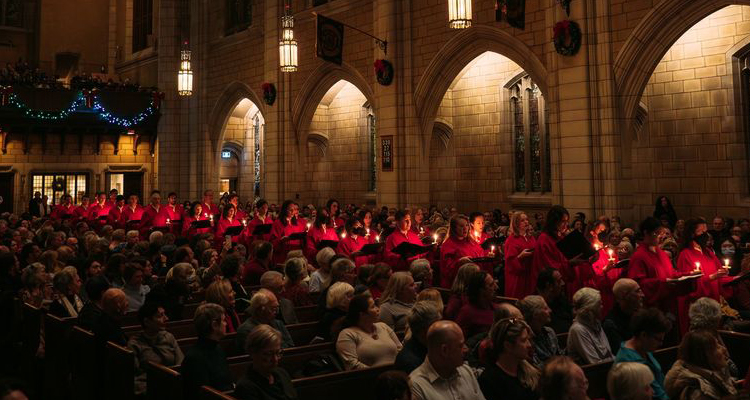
(564, 30)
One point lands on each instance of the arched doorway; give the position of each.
(241, 151)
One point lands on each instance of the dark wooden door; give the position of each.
(133, 184)
(6, 192)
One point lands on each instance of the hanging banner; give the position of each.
(386, 153)
(330, 41)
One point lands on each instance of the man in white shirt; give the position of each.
(443, 374)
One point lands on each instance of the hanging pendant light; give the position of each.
(185, 75)
(459, 14)
(287, 44)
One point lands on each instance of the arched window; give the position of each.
(143, 15)
(238, 15)
(531, 162)
(256, 153)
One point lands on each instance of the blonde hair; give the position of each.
(462, 278)
(261, 337)
(180, 269)
(294, 254)
(336, 294)
(515, 221)
(627, 380)
(431, 295)
(218, 293)
(396, 283)
(324, 256)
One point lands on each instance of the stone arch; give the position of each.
(650, 40)
(443, 131)
(224, 106)
(320, 141)
(316, 86)
(460, 51)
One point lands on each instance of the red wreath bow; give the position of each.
(266, 87)
(90, 96)
(379, 66)
(5, 92)
(156, 98)
(561, 28)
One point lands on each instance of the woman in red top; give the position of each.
(419, 224)
(477, 315)
(260, 217)
(457, 246)
(319, 231)
(402, 234)
(650, 266)
(353, 242)
(695, 257)
(546, 253)
(332, 206)
(132, 212)
(519, 252)
(227, 220)
(600, 273)
(194, 214)
(287, 224)
(65, 209)
(81, 212)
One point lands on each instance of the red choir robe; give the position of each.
(114, 217)
(175, 214)
(278, 231)
(453, 250)
(336, 223)
(61, 210)
(81, 213)
(95, 212)
(705, 286)
(239, 214)
(314, 236)
(600, 280)
(131, 214)
(221, 227)
(519, 272)
(210, 209)
(247, 234)
(397, 262)
(152, 217)
(421, 230)
(651, 269)
(188, 231)
(351, 244)
(546, 254)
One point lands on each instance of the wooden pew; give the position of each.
(209, 393)
(302, 334)
(738, 345)
(57, 356)
(666, 357)
(119, 375)
(307, 313)
(227, 343)
(31, 328)
(597, 377)
(163, 382)
(361, 382)
(84, 371)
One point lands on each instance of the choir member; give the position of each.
(133, 212)
(207, 204)
(600, 272)
(650, 266)
(98, 210)
(320, 230)
(546, 253)
(365, 216)
(195, 214)
(80, 214)
(334, 211)
(260, 217)
(476, 222)
(402, 233)
(173, 213)
(234, 199)
(519, 254)
(287, 224)
(112, 199)
(152, 216)
(114, 217)
(457, 246)
(697, 256)
(351, 244)
(419, 223)
(65, 209)
(227, 220)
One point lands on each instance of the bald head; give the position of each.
(623, 287)
(507, 310)
(628, 295)
(443, 332)
(114, 302)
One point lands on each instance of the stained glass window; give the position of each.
(519, 146)
(55, 185)
(372, 150)
(530, 145)
(143, 15)
(256, 153)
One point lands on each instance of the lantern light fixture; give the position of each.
(288, 44)
(185, 74)
(459, 14)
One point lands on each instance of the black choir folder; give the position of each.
(408, 249)
(574, 244)
(298, 236)
(737, 279)
(262, 229)
(328, 243)
(233, 230)
(204, 223)
(372, 248)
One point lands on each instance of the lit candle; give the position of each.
(421, 230)
(697, 266)
(211, 217)
(343, 235)
(377, 238)
(492, 249)
(167, 221)
(610, 252)
(244, 222)
(308, 226)
(596, 247)
(367, 230)
(476, 235)
(726, 263)
(434, 238)
(205, 215)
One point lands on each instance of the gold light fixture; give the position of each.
(459, 14)
(185, 75)
(287, 44)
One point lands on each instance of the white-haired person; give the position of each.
(705, 314)
(587, 342)
(538, 315)
(262, 310)
(264, 379)
(274, 281)
(67, 285)
(421, 271)
(397, 300)
(321, 278)
(337, 304)
(421, 316)
(630, 381)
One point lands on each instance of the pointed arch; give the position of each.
(317, 85)
(225, 105)
(459, 52)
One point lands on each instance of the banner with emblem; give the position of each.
(329, 45)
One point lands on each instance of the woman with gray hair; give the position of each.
(67, 284)
(337, 305)
(630, 381)
(412, 355)
(422, 273)
(264, 378)
(705, 315)
(538, 315)
(587, 342)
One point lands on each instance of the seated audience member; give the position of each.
(537, 315)
(321, 278)
(392, 385)
(230, 270)
(264, 379)
(378, 280)
(260, 263)
(262, 310)
(563, 379)
(480, 344)
(67, 284)
(432, 295)
(742, 291)
(509, 374)
(341, 271)
(477, 315)
(549, 285)
(153, 343)
(397, 300)
(458, 290)
(134, 287)
(649, 326)
(337, 304)
(587, 342)
(630, 381)
(36, 286)
(205, 364)
(705, 314)
(421, 316)
(628, 299)
(295, 288)
(108, 327)
(443, 375)
(274, 281)
(701, 369)
(11, 389)
(175, 291)
(365, 342)
(422, 273)
(221, 293)
(95, 288)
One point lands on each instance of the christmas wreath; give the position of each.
(384, 72)
(269, 93)
(567, 37)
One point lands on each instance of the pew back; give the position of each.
(120, 372)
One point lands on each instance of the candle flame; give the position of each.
(343, 235)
